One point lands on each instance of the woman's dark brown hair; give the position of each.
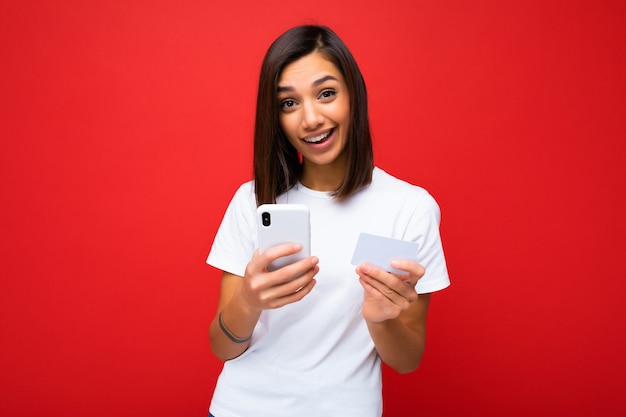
(277, 166)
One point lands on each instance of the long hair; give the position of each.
(277, 166)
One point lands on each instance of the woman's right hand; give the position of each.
(263, 290)
(242, 300)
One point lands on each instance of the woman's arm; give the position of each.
(395, 314)
(242, 299)
(235, 317)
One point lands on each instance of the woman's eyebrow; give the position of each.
(323, 80)
(315, 83)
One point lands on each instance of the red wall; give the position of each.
(126, 127)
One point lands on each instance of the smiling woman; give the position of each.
(125, 126)
(314, 344)
(277, 167)
(315, 118)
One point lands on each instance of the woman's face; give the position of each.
(315, 110)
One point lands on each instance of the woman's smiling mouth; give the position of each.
(319, 138)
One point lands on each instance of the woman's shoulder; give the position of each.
(244, 196)
(382, 180)
(246, 189)
(403, 195)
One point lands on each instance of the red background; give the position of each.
(126, 127)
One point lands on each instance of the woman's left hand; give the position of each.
(387, 295)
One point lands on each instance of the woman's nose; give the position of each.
(312, 117)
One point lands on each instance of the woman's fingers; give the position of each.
(414, 270)
(393, 287)
(286, 285)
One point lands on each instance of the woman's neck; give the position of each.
(323, 177)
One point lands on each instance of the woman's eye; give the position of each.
(327, 94)
(287, 104)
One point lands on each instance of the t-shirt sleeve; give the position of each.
(236, 238)
(424, 228)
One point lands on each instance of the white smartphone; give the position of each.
(284, 223)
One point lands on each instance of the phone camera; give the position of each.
(265, 219)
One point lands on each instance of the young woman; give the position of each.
(313, 345)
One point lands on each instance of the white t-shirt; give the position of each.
(316, 357)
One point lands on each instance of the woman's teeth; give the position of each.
(318, 138)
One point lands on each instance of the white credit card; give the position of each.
(379, 251)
